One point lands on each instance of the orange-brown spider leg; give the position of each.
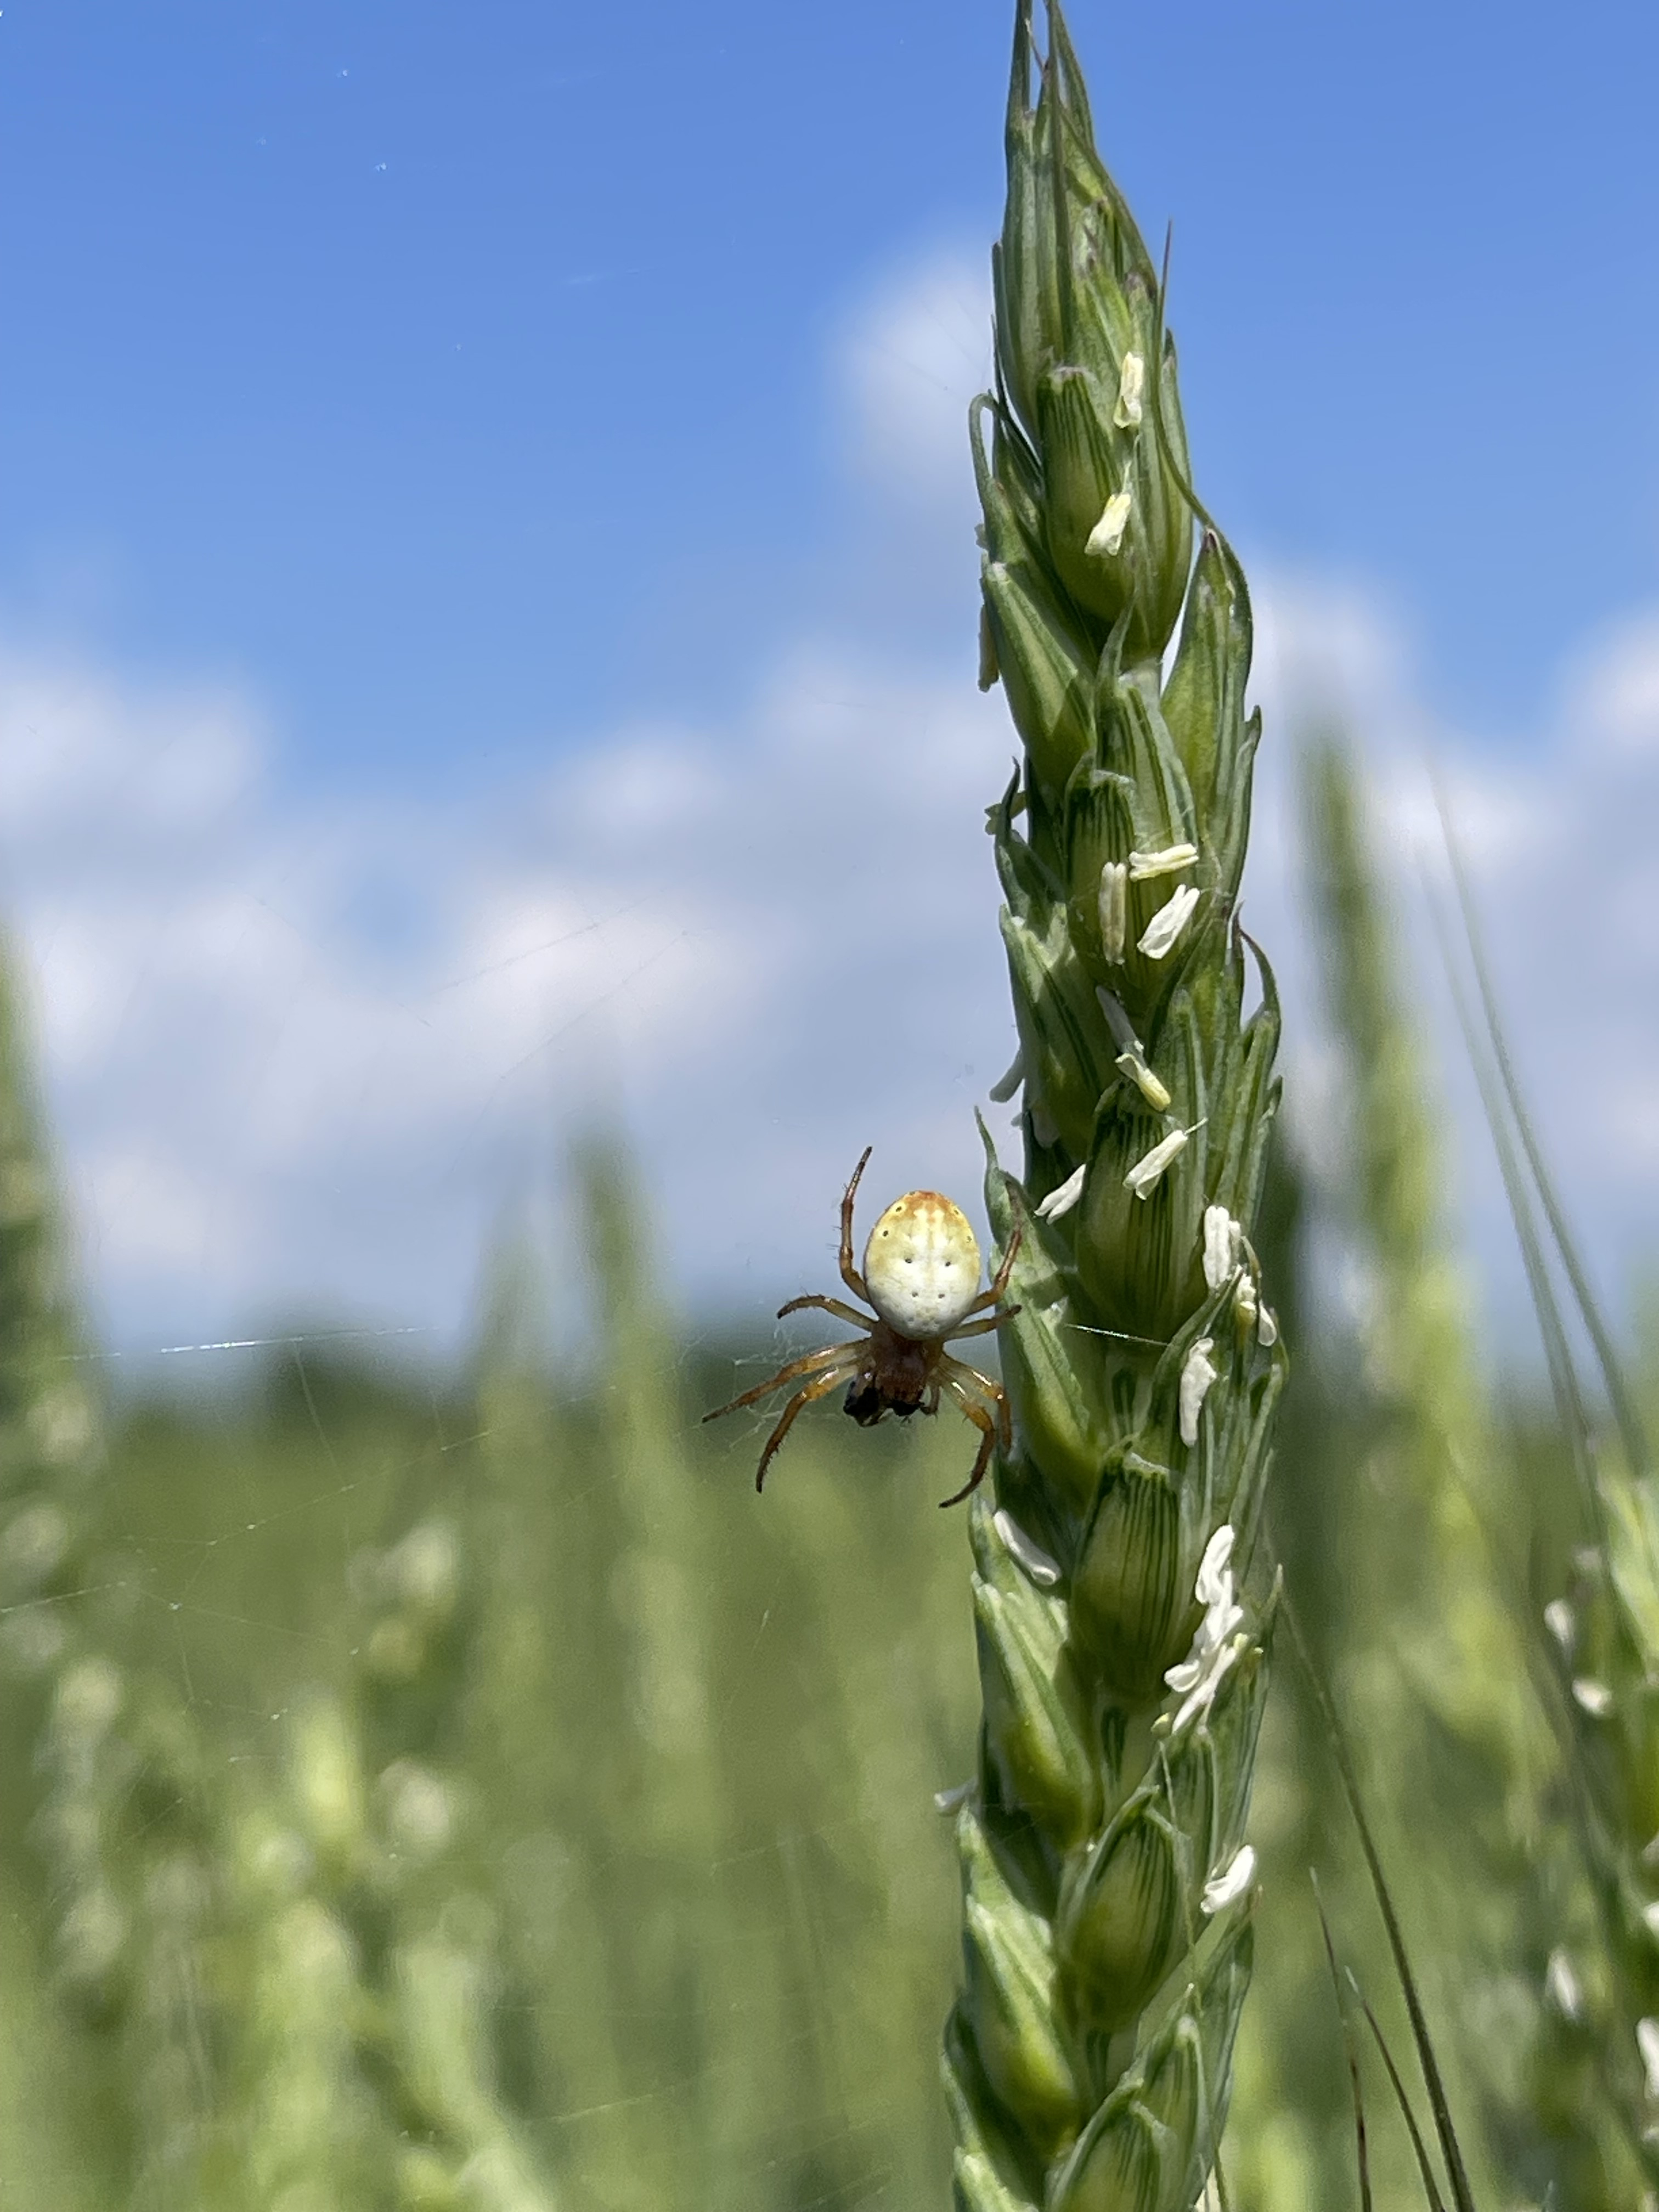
(999, 1282)
(983, 1328)
(841, 1310)
(982, 1419)
(806, 1395)
(849, 1273)
(831, 1352)
(978, 1394)
(961, 1377)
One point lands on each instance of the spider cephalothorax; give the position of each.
(922, 1275)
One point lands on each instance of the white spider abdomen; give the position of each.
(921, 1265)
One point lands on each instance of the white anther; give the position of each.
(1558, 1618)
(1144, 1176)
(1042, 1571)
(1266, 1329)
(1114, 910)
(1131, 384)
(1594, 1697)
(1197, 1374)
(1064, 1197)
(953, 1801)
(1107, 536)
(1144, 1081)
(1223, 1237)
(1233, 1882)
(1214, 1585)
(1562, 1986)
(1004, 1089)
(1246, 1310)
(1207, 1679)
(1187, 1673)
(1646, 2042)
(1197, 1677)
(1168, 860)
(1650, 1919)
(1165, 927)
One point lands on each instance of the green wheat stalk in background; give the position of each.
(110, 1819)
(1427, 1635)
(1601, 1638)
(1605, 1634)
(1122, 1658)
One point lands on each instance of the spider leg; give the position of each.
(831, 1353)
(967, 1382)
(1000, 1281)
(849, 1273)
(982, 1327)
(983, 1418)
(841, 1310)
(820, 1387)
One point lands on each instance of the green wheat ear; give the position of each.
(1123, 1662)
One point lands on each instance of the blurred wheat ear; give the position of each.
(1435, 1671)
(1122, 1631)
(109, 1817)
(1595, 1641)
(1411, 1594)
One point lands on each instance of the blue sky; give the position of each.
(458, 376)
(408, 415)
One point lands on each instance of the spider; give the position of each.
(922, 1275)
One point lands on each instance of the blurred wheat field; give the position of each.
(426, 1789)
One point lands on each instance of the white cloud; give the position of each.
(302, 1052)
(1557, 830)
(1615, 686)
(911, 359)
(761, 946)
